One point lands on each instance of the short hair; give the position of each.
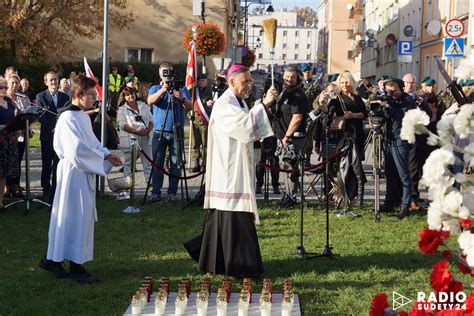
(395, 82)
(81, 84)
(25, 79)
(165, 65)
(50, 73)
(346, 74)
(128, 91)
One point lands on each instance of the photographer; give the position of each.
(219, 86)
(289, 129)
(396, 150)
(134, 118)
(350, 106)
(164, 117)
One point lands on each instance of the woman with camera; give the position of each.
(134, 119)
(348, 112)
(8, 141)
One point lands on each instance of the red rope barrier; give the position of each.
(310, 168)
(162, 170)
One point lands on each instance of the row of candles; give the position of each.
(143, 296)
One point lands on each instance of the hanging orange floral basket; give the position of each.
(209, 41)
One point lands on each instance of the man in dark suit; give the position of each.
(50, 99)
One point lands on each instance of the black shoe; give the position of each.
(81, 275)
(258, 190)
(55, 268)
(276, 190)
(404, 212)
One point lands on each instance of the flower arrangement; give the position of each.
(209, 40)
(248, 59)
(451, 210)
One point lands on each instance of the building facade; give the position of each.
(295, 43)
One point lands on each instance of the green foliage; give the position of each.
(35, 71)
(374, 257)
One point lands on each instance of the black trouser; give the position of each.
(16, 180)
(269, 146)
(49, 164)
(417, 158)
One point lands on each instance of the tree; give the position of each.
(46, 29)
(309, 15)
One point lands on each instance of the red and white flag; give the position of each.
(89, 74)
(191, 82)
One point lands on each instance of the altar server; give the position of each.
(82, 157)
(230, 243)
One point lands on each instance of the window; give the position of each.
(296, 56)
(308, 46)
(426, 66)
(308, 57)
(260, 56)
(284, 45)
(283, 56)
(297, 33)
(141, 55)
(309, 34)
(297, 46)
(284, 33)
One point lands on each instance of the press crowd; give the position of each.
(341, 111)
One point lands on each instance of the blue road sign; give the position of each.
(453, 47)
(405, 48)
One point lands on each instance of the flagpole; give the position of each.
(193, 97)
(105, 61)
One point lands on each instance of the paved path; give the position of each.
(193, 184)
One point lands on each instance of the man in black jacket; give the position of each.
(50, 99)
(396, 150)
(289, 127)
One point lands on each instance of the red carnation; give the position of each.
(447, 254)
(378, 305)
(466, 223)
(430, 240)
(441, 278)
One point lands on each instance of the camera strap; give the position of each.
(341, 101)
(137, 116)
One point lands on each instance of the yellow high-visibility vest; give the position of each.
(114, 85)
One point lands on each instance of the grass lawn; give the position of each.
(374, 257)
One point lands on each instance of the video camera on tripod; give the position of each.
(168, 78)
(377, 103)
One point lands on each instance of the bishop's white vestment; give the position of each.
(230, 166)
(71, 229)
(229, 241)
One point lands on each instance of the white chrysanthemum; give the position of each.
(411, 119)
(462, 121)
(466, 243)
(445, 129)
(434, 169)
(464, 212)
(435, 218)
(452, 202)
(465, 70)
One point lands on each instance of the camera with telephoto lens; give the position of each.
(168, 78)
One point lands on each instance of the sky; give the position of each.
(290, 4)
